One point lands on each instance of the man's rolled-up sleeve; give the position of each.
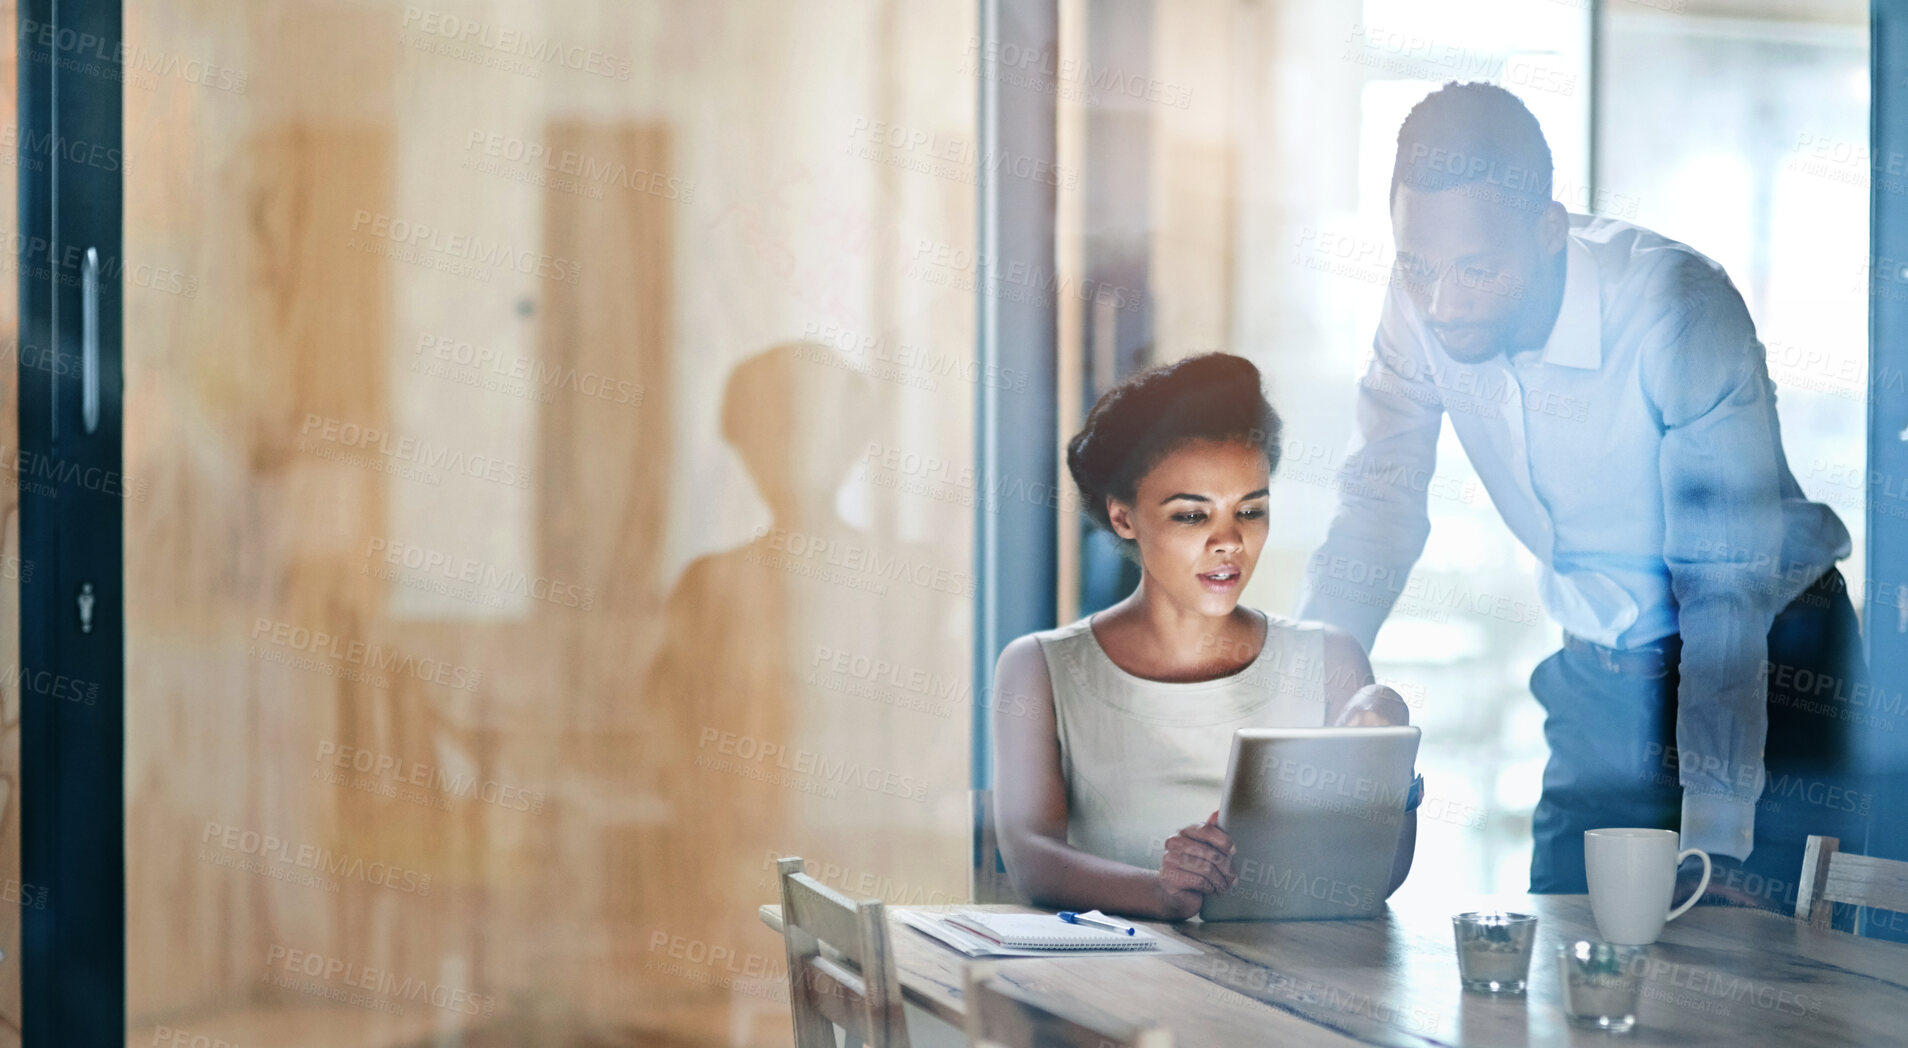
(1708, 379)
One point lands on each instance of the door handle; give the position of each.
(89, 340)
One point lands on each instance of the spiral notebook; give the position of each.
(1044, 931)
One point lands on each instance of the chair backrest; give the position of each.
(1830, 875)
(987, 880)
(840, 970)
(1001, 1015)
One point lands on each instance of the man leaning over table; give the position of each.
(1608, 387)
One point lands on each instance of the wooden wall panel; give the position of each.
(218, 567)
(604, 447)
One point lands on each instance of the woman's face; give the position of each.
(1199, 518)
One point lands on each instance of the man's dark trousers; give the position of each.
(1613, 757)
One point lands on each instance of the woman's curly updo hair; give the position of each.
(1211, 397)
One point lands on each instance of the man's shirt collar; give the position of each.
(1576, 339)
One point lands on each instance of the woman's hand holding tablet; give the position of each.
(1198, 860)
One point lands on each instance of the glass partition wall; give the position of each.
(554, 440)
(553, 430)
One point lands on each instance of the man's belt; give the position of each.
(1655, 659)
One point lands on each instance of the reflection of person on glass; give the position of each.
(1608, 386)
(1113, 733)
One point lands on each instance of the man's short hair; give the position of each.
(1477, 137)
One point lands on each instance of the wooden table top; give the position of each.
(1718, 975)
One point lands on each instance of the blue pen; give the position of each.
(1096, 922)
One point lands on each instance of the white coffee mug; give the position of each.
(1632, 874)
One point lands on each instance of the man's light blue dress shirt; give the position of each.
(1638, 456)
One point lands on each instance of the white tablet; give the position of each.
(1315, 815)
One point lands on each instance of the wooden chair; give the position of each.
(1830, 876)
(840, 970)
(1000, 1015)
(987, 880)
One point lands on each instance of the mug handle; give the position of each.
(1698, 893)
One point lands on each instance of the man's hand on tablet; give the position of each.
(1198, 861)
(1374, 706)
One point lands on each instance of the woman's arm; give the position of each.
(1030, 815)
(1353, 696)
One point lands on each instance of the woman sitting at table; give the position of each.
(1111, 733)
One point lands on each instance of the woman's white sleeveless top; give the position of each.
(1145, 759)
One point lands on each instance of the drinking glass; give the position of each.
(1601, 983)
(1493, 949)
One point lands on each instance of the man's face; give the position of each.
(1466, 260)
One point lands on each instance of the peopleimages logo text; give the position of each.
(410, 449)
(358, 653)
(801, 761)
(474, 572)
(511, 41)
(273, 849)
(431, 776)
(426, 237)
(381, 981)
